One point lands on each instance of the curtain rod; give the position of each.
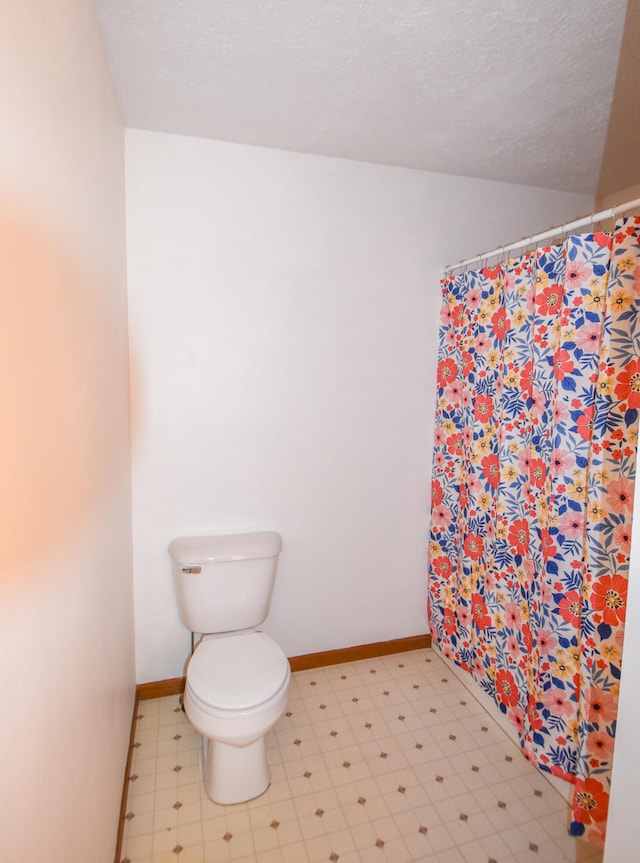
(610, 213)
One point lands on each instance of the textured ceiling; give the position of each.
(513, 90)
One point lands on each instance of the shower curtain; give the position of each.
(534, 464)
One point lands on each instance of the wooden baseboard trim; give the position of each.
(125, 785)
(160, 688)
(360, 651)
(175, 685)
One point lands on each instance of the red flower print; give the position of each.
(537, 472)
(467, 363)
(602, 239)
(527, 376)
(533, 716)
(490, 465)
(479, 611)
(463, 497)
(443, 567)
(609, 595)
(500, 324)
(584, 425)
(562, 364)
(506, 689)
(591, 801)
(558, 771)
(458, 314)
(454, 443)
(620, 495)
(491, 272)
(437, 494)
(474, 546)
(570, 608)
(519, 536)
(550, 300)
(549, 548)
(483, 409)
(628, 387)
(447, 372)
(449, 623)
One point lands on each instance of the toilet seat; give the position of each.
(237, 672)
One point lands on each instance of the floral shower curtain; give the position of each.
(534, 465)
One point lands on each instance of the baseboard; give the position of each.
(125, 786)
(160, 688)
(175, 685)
(360, 651)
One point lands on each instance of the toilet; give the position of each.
(237, 677)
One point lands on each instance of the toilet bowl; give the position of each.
(237, 678)
(236, 690)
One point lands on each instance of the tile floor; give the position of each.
(389, 759)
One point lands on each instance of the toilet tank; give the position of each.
(224, 583)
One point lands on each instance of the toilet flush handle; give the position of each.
(194, 569)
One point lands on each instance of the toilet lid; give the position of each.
(237, 672)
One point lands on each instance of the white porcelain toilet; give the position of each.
(237, 678)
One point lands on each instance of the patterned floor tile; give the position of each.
(389, 759)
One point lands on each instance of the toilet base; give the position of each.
(235, 774)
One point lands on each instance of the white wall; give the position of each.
(283, 318)
(66, 604)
